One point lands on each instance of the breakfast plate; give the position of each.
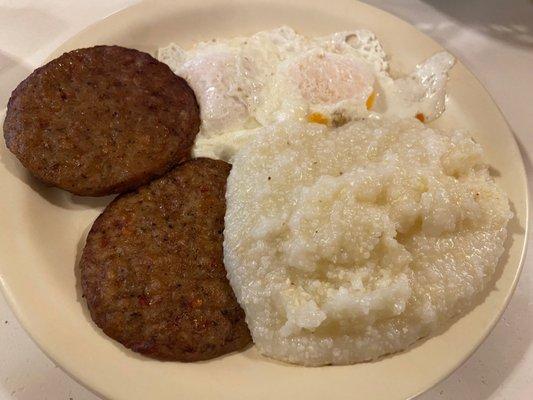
(45, 228)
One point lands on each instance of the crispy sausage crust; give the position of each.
(101, 120)
(152, 270)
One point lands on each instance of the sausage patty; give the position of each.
(101, 120)
(152, 270)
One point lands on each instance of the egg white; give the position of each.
(246, 83)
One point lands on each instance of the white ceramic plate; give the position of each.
(43, 229)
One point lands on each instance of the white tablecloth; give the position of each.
(494, 38)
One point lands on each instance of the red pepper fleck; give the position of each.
(143, 300)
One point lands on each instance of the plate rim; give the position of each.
(495, 318)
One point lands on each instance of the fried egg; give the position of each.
(246, 83)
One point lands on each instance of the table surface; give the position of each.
(494, 38)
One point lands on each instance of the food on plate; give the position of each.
(152, 269)
(346, 244)
(101, 120)
(352, 228)
(245, 83)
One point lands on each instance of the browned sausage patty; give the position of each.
(152, 270)
(101, 120)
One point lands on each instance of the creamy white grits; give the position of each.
(345, 244)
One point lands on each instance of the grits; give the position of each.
(345, 244)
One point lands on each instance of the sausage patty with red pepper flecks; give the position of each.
(152, 270)
(101, 120)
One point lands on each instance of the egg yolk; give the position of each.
(371, 100)
(327, 78)
(317, 118)
(420, 117)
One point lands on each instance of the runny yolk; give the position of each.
(420, 117)
(371, 100)
(317, 118)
